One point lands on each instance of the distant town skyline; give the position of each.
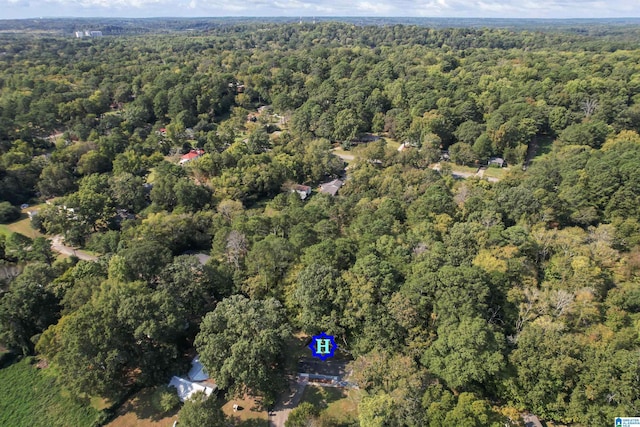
(19, 9)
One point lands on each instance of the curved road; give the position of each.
(58, 246)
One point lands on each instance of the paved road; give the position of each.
(280, 413)
(58, 246)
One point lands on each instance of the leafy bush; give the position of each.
(165, 399)
(302, 415)
(8, 213)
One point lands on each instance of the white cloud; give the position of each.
(376, 9)
(448, 8)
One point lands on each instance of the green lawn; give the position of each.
(335, 404)
(499, 173)
(23, 224)
(391, 143)
(31, 397)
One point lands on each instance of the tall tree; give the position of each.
(241, 344)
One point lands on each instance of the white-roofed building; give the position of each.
(197, 372)
(186, 388)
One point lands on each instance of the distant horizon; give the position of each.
(324, 17)
(451, 9)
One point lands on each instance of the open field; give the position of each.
(31, 397)
(23, 224)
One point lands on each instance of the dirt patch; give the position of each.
(42, 364)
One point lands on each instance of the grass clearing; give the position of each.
(138, 411)
(545, 145)
(23, 224)
(337, 406)
(499, 173)
(31, 397)
(391, 143)
(250, 412)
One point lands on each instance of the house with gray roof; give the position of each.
(331, 187)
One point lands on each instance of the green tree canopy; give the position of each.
(241, 343)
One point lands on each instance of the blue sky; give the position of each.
(428, 8)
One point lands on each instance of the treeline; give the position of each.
(460, 302)
(481, 101)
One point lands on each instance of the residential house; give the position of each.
(331, 187)
(186, 388)
(197, 372)
(303, 191)
(191, 155)
(196, 380)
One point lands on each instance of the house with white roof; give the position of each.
(196, 380)
(186, 388)
(197, 371)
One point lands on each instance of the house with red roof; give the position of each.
(193, 154)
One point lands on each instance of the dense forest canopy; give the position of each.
(458, 302)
